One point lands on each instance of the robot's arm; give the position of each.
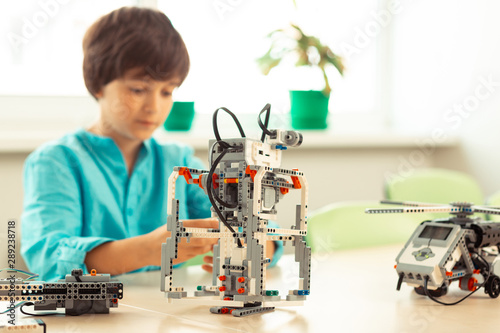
(436, 209)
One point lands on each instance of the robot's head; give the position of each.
(285, 138)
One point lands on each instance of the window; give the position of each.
(225, 37)
(436, 47)
(405, 60)
(42, 56)
(43, 45)
(42, 86)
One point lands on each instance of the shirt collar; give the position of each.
(107, 148)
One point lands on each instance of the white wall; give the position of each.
(11, 194)
(473, 112)
(11, 186)
(480, 131)
(447, 79)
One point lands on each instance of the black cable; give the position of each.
(210, 193)
(36, 314)
(214, 123)
(210, 174)
(265, 131)
(51, 313)
(210, 190)
(460, 300)
(226, 147)
(216, 197)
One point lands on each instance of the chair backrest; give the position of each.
(435, 185)
(345, 225)
(197, 261)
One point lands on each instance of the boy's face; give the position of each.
(133, 106)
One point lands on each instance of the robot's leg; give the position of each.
(241, 312)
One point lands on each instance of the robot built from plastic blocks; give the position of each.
(244, 184)
(78, 293)
(459, 248)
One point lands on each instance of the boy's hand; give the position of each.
(186, 250)
(208, 260)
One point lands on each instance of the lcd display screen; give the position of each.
(434, 232)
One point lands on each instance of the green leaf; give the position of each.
(303, 43)
(267, 62)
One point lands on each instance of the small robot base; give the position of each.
(247, 310)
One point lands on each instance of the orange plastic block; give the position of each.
(199, 181)
(189, 179)
(296, 181)
(187, 175)
(471, 284)
(250, 172)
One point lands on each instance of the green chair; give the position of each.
(345, 225)
(197, 261)
(435, 185)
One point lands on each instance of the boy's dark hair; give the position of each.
(132, 37)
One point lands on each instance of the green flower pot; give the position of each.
(180, 117)
(309, 109)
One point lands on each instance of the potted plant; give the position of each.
(309, 108)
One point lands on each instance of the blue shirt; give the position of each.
(78, 195)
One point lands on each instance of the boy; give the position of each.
(97, 198)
